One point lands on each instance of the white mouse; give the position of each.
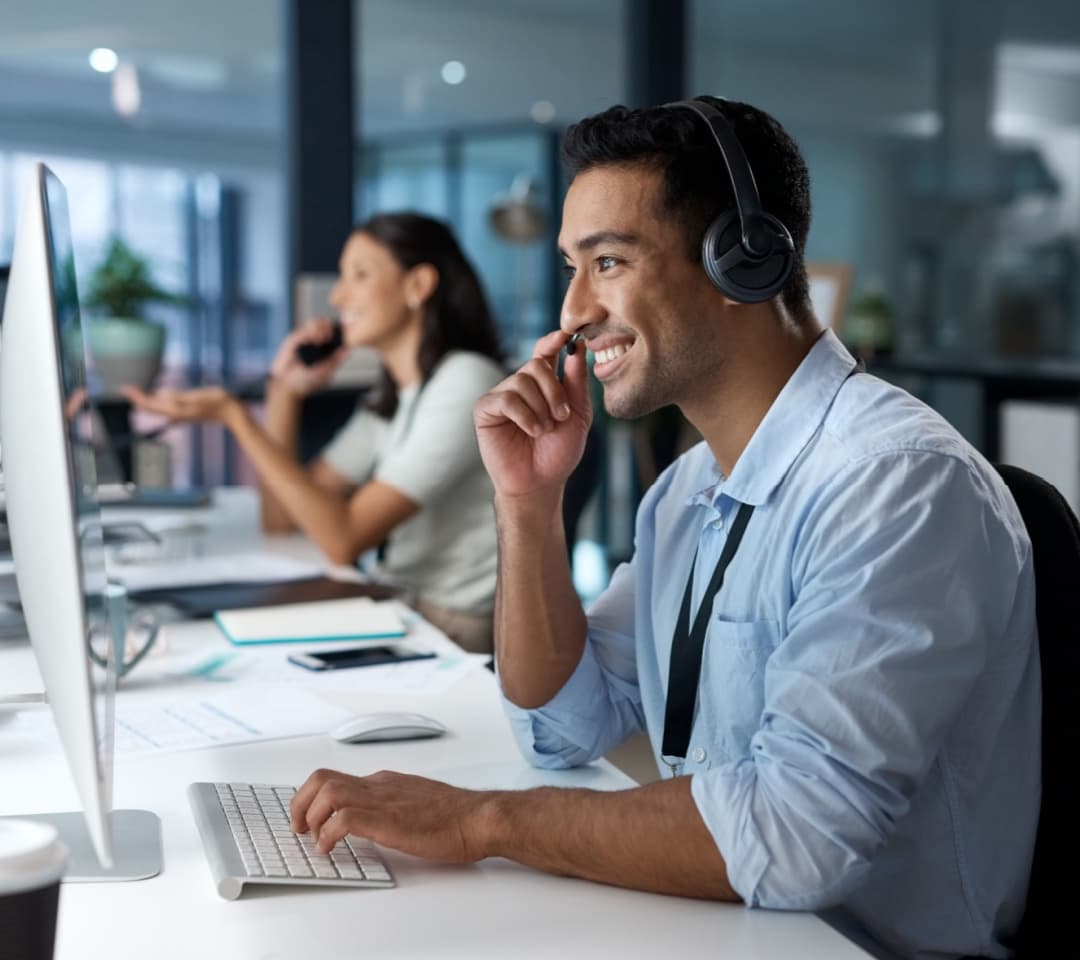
(372, 727)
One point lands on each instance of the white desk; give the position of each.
(493, 909)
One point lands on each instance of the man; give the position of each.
(865, 731)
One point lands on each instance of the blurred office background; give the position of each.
(232, 142)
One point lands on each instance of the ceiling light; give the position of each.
(453, 72)
(103, 60)
(126, 95)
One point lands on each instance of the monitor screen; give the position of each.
(75, 403)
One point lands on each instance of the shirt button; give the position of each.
(698, 756)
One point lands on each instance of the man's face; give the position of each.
(640, 302)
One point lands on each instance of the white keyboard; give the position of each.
(247, 839)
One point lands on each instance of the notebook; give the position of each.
(355, 619)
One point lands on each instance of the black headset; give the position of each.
(747, 253)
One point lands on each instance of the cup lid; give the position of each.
(31, 855)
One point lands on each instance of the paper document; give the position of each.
(215, 568)
(354, 618)
(222, 716)
(235, 715)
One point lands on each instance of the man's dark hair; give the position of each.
(456, 316)
(697, 186)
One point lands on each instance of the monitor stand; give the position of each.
(136, 843)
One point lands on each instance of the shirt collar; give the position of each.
(794, 417)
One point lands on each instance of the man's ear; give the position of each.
(421, 282)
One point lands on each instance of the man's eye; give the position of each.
(568, 271)
(606, 263)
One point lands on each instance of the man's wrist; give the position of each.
(528, 512)
(486, 828)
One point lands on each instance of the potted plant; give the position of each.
(124, 346)
(869, 330)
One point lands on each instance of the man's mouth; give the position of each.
(610, 353)
(609, 356)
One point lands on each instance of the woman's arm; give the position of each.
(343, 529)
(282, 425)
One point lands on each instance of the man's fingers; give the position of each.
(575, 384)
(535, 384)
(501, 406)
(320, 810)
(338, 827)
(301, 800)
(554, 394)
(549, 345)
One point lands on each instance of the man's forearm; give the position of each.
(650, 838)
(540, 626)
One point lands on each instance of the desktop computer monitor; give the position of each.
(56, 535)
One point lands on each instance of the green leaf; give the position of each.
(122, 284)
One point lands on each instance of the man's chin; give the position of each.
(628, 405)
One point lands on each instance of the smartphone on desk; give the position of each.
(355, 657)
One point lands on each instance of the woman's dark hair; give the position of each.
(697, 187)
(456, 315)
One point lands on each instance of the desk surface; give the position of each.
(492, 909)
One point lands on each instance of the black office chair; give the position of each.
(1055, 539)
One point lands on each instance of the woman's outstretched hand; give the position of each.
(201, 405)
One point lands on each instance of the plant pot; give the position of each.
(125, 350)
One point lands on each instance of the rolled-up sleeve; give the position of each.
(890, 625)
(600, 704)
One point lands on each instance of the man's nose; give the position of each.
(580, 307)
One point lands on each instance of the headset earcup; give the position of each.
(746, 280)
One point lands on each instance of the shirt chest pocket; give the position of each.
(731, 695)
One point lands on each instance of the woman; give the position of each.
(404, 473)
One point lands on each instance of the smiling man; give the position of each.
(828, 625)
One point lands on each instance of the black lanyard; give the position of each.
(687, 647)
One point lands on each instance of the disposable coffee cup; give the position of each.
(32, 861)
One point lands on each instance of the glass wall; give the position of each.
(462, 178)
(942, 138)
(165, 124)
(460, 106)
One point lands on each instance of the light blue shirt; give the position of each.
(867, 727)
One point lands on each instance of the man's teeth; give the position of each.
(603, 356)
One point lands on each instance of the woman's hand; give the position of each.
(292, 373)
(202, 405)
(532, 428)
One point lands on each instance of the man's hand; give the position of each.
(531, 428)
(294, 375)
(421, 817)
(203, 405)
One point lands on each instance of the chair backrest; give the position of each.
(1055, 540)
